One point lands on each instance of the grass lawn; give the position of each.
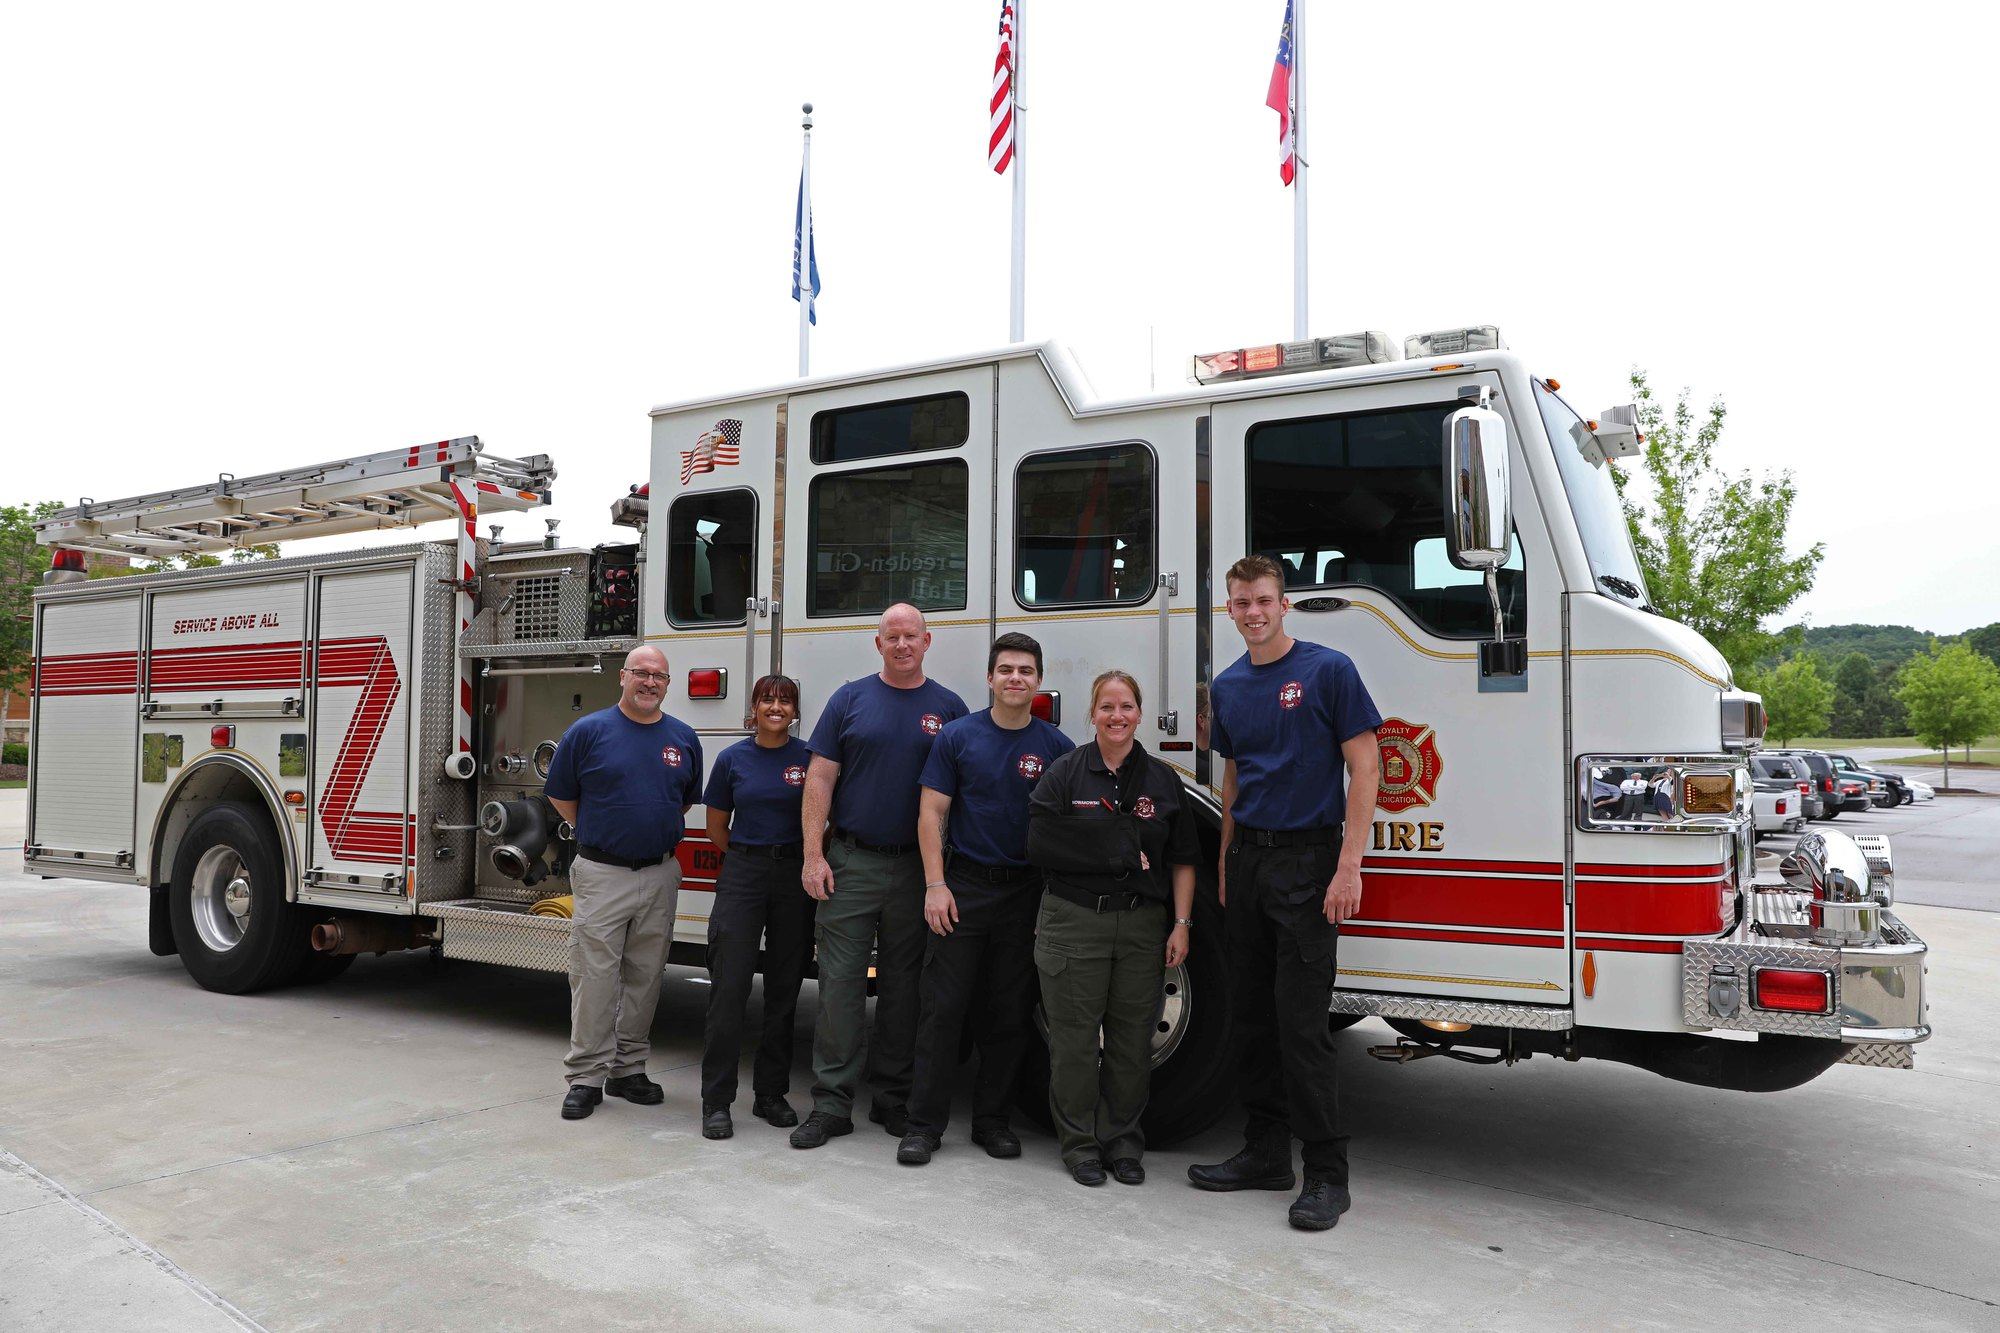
(13, 784)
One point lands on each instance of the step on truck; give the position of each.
(302, 759)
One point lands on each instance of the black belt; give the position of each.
(1099, 902)
(985, 874)
(879, 848)
(783, 851)
(589, 853)
(1286, 837)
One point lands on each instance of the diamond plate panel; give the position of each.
(1452, 1011)
(552, 648)
(443, 866)
(1698, 956)
(1880, 1055)
(504, 933)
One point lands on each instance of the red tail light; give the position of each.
(1791, 990)
(65, 559)
(222, 736)
(1048, 707)
(708, 682)
(1781, 805)
(1826, 784)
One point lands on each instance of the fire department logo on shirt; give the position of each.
(1291, 694)
(671, 756)
(1029, 766)
(932, 724)
(1410, 764)
(795, 775)
(1143, 807)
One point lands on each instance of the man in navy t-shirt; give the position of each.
(861, 863)
(1288, 716)
(624, 778)
(980, 904)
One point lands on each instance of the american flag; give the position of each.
(716, 448)
(1279, 99)
(1000, 143)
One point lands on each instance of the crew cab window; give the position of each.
(1359, 499)
(904, 426)
(885, 535)
(1083, 526)
(711, 553)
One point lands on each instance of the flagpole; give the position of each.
(1299, 232)
(802, 246)
(1017, 299)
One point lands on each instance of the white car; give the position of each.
(1921, 791)
(1778, 807)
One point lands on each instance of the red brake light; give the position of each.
(708, 682)
(1781, 805)
(1048, 707)
(1826, 784)
(66, 559)
(1791, 990)
(222, 736)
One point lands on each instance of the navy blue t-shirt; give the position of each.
(880, 737)
(989, 773)
(631, 781)
(1283, 723)
(764, 787)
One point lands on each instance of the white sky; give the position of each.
(241, 236)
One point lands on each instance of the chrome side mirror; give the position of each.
(1480, 531)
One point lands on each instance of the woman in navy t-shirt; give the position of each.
(753, 797)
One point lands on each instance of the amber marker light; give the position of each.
(1589, 975)
(1445, 1025)
(295, 797)
(1708, 793)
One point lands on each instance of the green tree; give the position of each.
(1884, 705)
(1712, 542)
(1853, 680)
(22, 564)
(1953, 696)
(1985, 641)
(1797, 699)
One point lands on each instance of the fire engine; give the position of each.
(305, 758)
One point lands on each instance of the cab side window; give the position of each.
(905, 426)
(711, 556)
(1358, 499)
(1083, 526)
(883, 535)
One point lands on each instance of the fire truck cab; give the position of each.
(1563, 857)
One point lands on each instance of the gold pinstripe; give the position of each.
(1455, 981)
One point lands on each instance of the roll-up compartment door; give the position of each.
(85, 751)
(362, 821)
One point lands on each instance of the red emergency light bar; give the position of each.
(1243, 363)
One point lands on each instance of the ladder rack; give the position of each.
(398, 488)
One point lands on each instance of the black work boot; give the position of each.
(635, 1088)
(1257, 1167)
(774, 1110)
(1320, 1204)
(580, 1101)
(819, 1127)
(916, 1149)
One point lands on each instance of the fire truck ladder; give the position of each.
(398, 488)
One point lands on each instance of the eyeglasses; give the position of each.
(651, 677)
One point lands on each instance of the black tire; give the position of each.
(229, 853)
(1196, 1084)
(1833, 813)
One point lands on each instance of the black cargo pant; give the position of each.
(757, 896)
(1281, 968)
(984, 969)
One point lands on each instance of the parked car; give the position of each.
(1921, 791)
(1824, 782)
(1777, 805)
(1793, 768)
(1853, 793)
(1886, 789)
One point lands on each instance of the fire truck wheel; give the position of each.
(232, 925)
(1193, 1076)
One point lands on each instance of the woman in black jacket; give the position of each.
(1116, 843)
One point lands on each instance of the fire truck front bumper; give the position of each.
(1819, 956)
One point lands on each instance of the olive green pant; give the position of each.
(877, 909)
(1101, 973)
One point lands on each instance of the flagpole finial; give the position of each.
(808, 109)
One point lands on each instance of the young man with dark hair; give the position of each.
(1286, 716)
(979, 901)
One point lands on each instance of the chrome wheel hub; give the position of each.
(220, 898)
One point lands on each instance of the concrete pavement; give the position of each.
(384, 1152)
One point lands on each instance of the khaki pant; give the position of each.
(618, 936)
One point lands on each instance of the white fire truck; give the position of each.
(305, 758)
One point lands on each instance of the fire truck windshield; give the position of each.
(1593, 498)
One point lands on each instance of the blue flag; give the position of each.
(802, 239)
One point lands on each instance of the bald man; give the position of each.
(624, 777)
(864, 867)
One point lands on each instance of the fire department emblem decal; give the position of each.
(932, 724)
(795, 775)
(1143, 807)
(1291, 694)
(1030, 766)
(671, 756)
(1410, 764)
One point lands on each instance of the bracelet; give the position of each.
(1184, 921)
(937, 884)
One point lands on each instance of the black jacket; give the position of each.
(1087, 827)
